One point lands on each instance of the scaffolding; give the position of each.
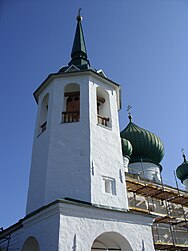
(167, 204)
(4, 243)
(5, 235)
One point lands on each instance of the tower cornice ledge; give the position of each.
(90, 72)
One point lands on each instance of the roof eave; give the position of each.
(53, 76)
(11, 229)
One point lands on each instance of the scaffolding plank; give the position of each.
(180, 200)
(133, 186)
(166, 219)
(181, 247)
(170, 246)
(141, 210)
(181, 223)
(163, 245)
(156, 191)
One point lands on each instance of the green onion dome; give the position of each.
(147, 146)
(182, 170)
(126, 147)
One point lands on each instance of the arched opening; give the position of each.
(43, 114)
(103, 108)
(111, 241)
(71, 111)
(31, 244)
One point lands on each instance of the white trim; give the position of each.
(72, 67)
(100, 71)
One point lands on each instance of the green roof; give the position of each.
(182, 170)
(126, 147)
(146, 145)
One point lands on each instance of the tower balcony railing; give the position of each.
(102, 120)
(69, 117)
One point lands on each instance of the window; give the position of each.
(109, 185)
(103, 107)
(43, 115)
(31, 244)
(71, 103)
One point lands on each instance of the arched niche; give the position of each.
(71, 109)
(111, 241)
(31, 244)
(103, 107)
(43, 114)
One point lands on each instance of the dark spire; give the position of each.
(79, 53)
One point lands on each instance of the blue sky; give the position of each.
(140, 44)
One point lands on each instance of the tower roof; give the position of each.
(79, 53)
(146, 145)
(126, 147)
(182, 170)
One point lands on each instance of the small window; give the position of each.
(109, 185)
(31, 244)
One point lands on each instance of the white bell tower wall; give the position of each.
(60, 160)
(107, 176)
(77, 154)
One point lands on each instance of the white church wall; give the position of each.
(39, 159)
(60, 161)
(89, 223)
(75, 159)
(185, 182)
(71, 226)
(68, 160)
(42, 226)
(125, 164)
(147, 170)
(106, 153)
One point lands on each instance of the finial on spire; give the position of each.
(183, 154)
(129, 112)
(79, 17)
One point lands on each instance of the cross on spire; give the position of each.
(79, 16)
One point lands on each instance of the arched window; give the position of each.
(43, 114)
(103, 108)
(31, 244)
(71, 111)
(97, 245)
(111, 241)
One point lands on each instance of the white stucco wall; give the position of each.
(185, 182)
(72, 226)
(106, 153)
(43, 226)
(146, 170)
(60, 165)
(70, 159)
(125, 164)
(88, 223)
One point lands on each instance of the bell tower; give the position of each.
(77, 147)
